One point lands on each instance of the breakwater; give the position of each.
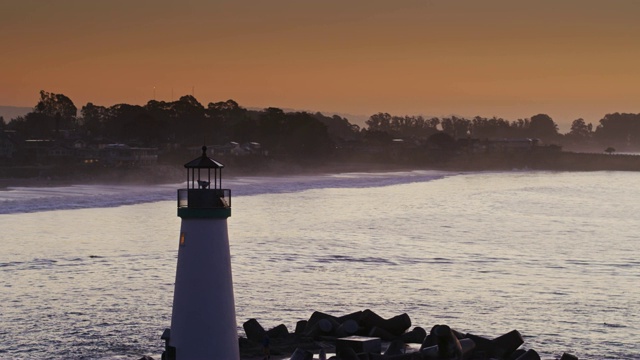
(365, 335)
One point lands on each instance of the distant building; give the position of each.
(36, 151)
(510, 144)
(60, 154)
(473, 145)
(124, 155)
(235, 149)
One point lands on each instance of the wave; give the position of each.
(15, 200)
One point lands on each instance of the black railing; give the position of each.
(204, 198)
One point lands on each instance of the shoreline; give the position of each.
(165, 174)
(54, 176)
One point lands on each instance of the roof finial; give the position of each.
(204, 150)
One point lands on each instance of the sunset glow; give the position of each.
(568, 59)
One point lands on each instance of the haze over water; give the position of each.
(88, 271)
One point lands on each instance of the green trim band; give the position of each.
(215, 213)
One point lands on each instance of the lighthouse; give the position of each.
(203, 319)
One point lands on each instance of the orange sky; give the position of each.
(513, 59)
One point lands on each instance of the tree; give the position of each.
(543, 127)
(297, 135)
(270, 128)
(228, 121)
(189, 122)
(380, 122)
(581, 130)
(305, 137)
(492, 128)
(619, 129)
(224, 106)
(403, 126)
(118, 117)
(33, 126)
(146, 130)
(93, 119)
(338, 127)
(609, 150)
(241, 129)
(59, 107)
(455, 126)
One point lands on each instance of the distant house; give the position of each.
(59, 153)
(512, 144)
(474, 145)
(249, 148)
(79, 144)
(124, 155)
(88, 155)
(226, 149)
(235, 149)
(36, 151)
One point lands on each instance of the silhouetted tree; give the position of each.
(271, 129)
(51, 104)
(93, 119)
(543, 127)
(118, 118)
(297, 135)
(226, 107)
(580, 130)
(59, 108)
(620, 129)
(52, 113)
(306, 137)
(189, 121)
(339, 128)
(456, 127)
(164, 116)
(403, 126)
(229, 121)
(34, 126)
(415, 126)
(145, 130)
(491, 128)
(380, 122)
(520, 124)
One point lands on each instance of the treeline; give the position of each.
(184, 123)
(618, 129)
(299, 135)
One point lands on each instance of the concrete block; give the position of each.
(359, 344)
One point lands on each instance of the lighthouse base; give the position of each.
(169, 352)
(203, 321)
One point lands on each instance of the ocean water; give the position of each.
(87, 271)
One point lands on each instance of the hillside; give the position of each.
(11, 112)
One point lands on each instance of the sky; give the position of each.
(512, 59)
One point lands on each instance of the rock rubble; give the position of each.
(352, 336)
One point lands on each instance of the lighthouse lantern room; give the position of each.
(203, 319)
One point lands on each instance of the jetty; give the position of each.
(365, 335)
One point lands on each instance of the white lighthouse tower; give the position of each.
(203, 320)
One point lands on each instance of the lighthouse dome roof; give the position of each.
(203, 162)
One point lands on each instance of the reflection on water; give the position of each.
(550, 254)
